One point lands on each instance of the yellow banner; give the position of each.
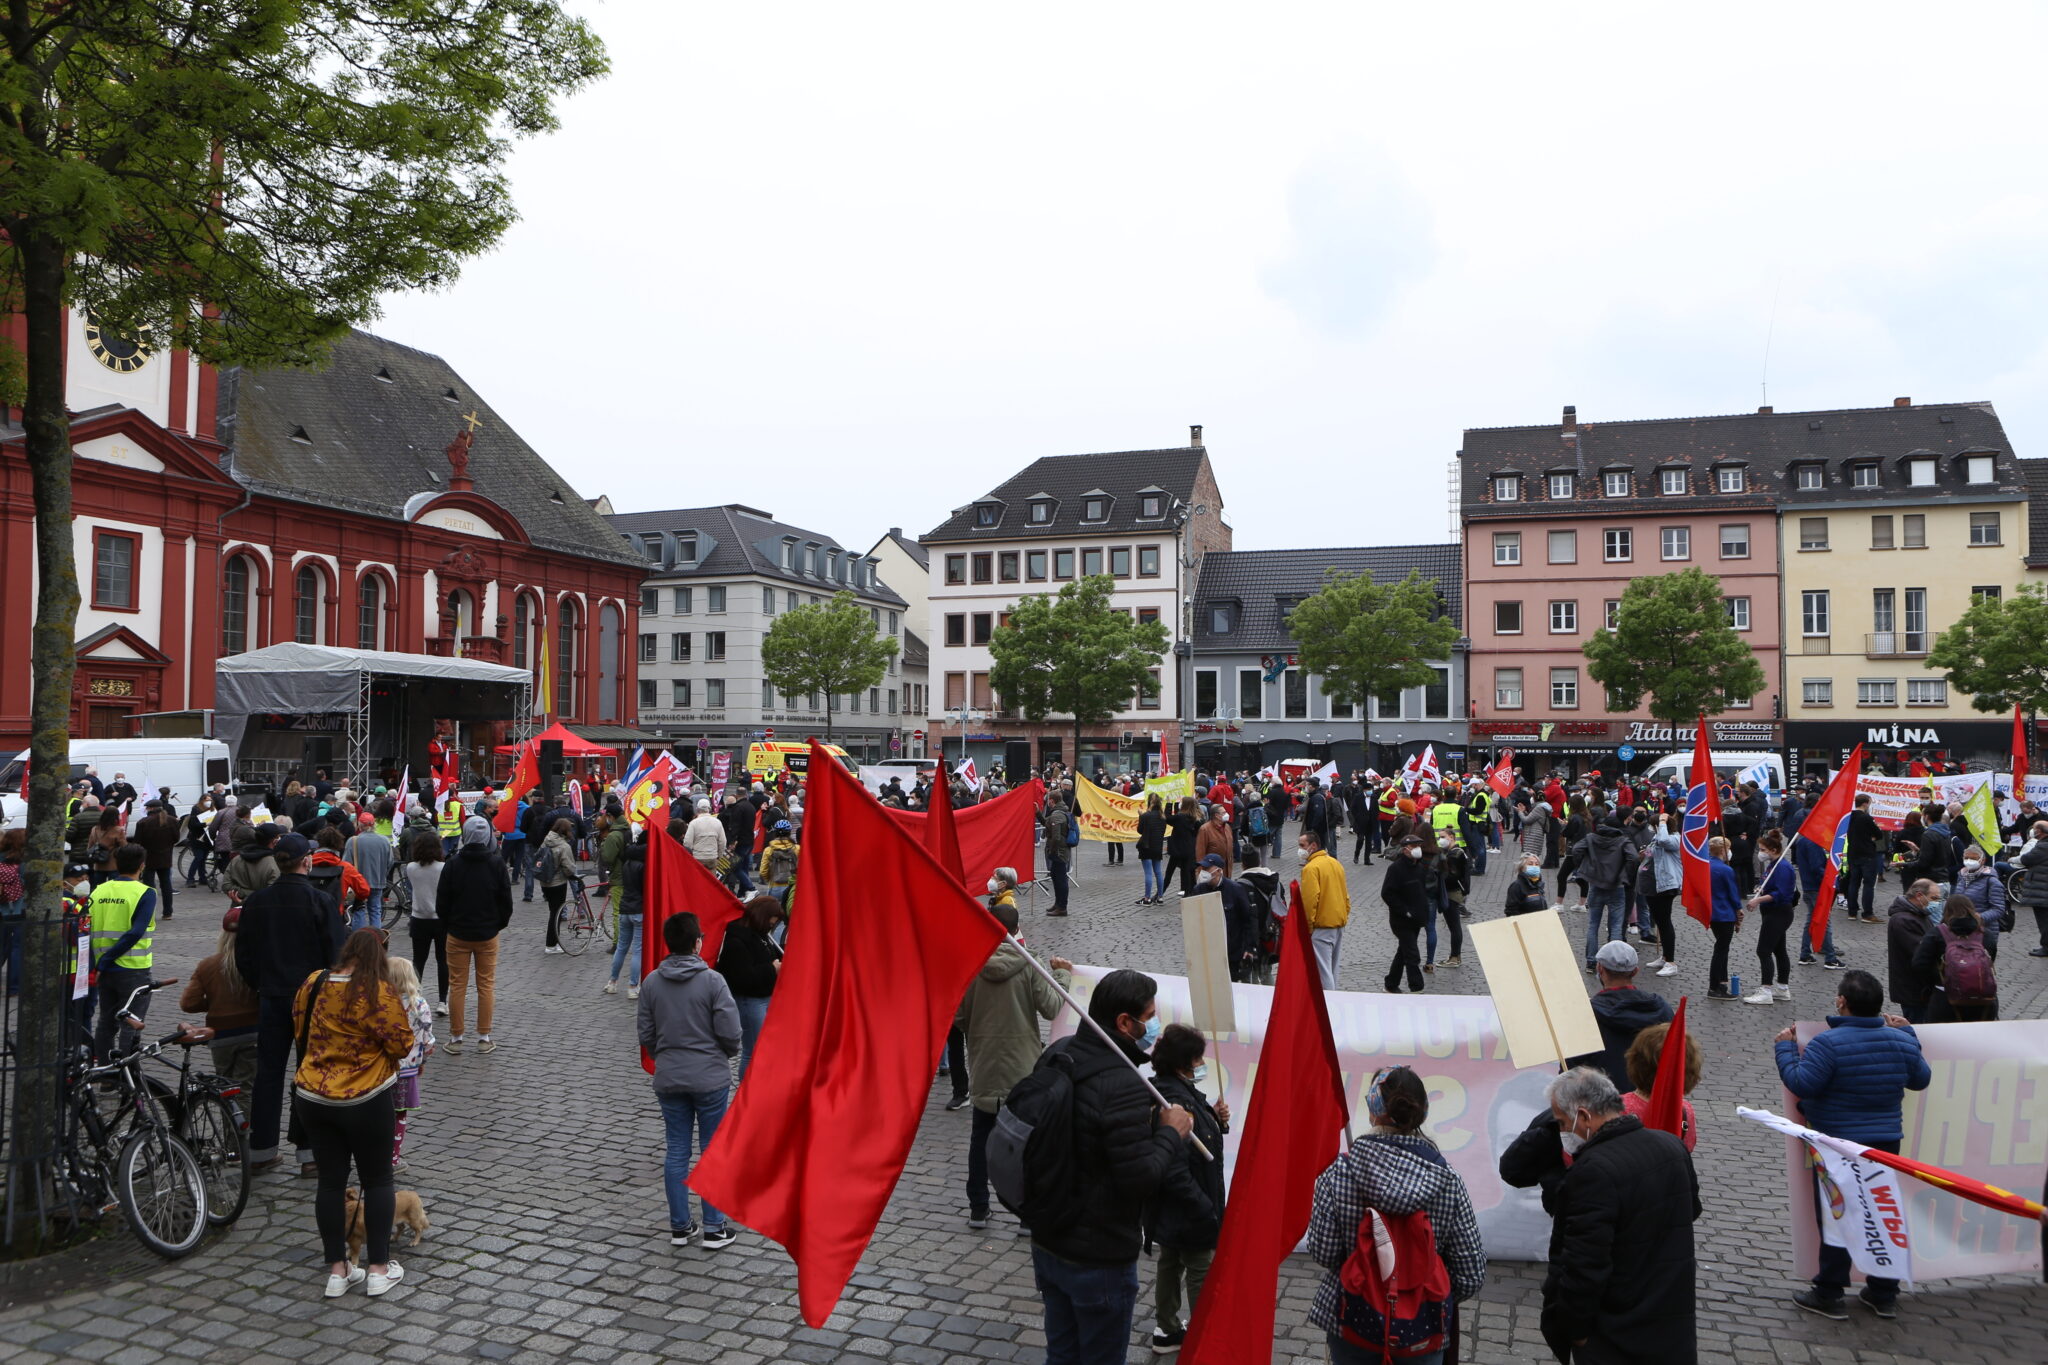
(1106, 817)
(1172, 787)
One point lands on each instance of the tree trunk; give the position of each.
(47, 444)
(1365, 733)
(1075, 766)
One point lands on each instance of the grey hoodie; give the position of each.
(689, 1025)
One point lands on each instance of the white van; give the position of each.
(1676, 769)
(875, 776)
(187, 766)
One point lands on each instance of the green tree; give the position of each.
(1371, 639)
(829, 647)
(1997, 652)
(1673, 644)
(1072, 653)
(244, 181)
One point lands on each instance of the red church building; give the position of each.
(378, 503)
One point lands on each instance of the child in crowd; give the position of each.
(405, 980)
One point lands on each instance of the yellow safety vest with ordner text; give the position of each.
(112, 911)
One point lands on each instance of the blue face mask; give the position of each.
(1152, 1027)
(1200, 1073)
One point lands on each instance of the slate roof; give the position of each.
(1259, 579)
(2035, 472)
(921, 556)
(916, 654)
(735, 539)
(375, 424)
(1769, 446)
(1066, 479)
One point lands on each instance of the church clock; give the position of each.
(122, 355)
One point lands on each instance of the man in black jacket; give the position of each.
(287, 932)
(1622, 1011)
(474, 901)
(1124, 1146)
(1621, 1277)
(1864, 862)
(1407, 903)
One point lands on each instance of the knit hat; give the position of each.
(476, 830)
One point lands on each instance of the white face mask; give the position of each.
(994, 886)
(1972, 864)
(1303, 848)
(1571, 1140)
(1413, 851)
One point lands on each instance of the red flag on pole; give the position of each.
(1667, 1097)
(817, 1137)
(1294, 1128)
(676, 882)
(525, 777)
(1702, 813)
(941, 838)
(1829, 821)
(2019, 755)
(1501, 776)
(991, 834)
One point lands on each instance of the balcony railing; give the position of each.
(1895, 644)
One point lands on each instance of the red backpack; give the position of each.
(1966, 974)
(1396, 1289)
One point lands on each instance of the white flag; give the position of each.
(1760, 773)
(965, 772)
(1327, 774)
(1862, 1208)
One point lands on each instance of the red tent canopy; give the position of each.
(573, 745)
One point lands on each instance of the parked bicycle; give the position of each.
(205, 1117)
(578, 923)
(127, 1155)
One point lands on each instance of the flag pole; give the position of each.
(1046, 973)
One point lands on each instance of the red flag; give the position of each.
(991, 834)
(941, 839)
(1501, 776)
(2019, 755)
(525, 777)
(1294, 1127)
(1702, 813)
(1667, 1096)
(1964, 1186)
(676, 882)
(1827, 825)
(817, 1137)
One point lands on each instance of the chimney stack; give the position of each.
(1195, 435)
(1902, 402)
(1571, 418)
(896, 532)
(1766, 409)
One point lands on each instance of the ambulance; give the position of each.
(771, 758)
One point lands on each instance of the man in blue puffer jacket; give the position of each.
(1851, 1083)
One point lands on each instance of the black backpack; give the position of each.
(326, 879)
(1031, 1160)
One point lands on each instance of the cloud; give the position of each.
(1360, 231)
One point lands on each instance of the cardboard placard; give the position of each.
(1208, 957)
(1532, 973)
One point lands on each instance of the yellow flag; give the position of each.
(545, 702)
(1106, 817)
(1981, 812)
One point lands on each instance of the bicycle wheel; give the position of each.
(211, 1127)
(601, 915)
(162, 1191)
(572, 930)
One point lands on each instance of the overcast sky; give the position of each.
(856, 264)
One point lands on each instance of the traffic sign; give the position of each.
(917, 734)
(768, 734)
(1625, 752)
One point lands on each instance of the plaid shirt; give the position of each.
(1388, 1171)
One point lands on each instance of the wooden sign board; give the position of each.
(1533, 974)
(1208, 958)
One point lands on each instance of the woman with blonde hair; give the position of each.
(1726, 917)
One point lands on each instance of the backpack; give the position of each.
(1966, 970)
(326, 879)
(1031, 1159)
(546, 865)
(1395, 1291)
(779, 866)
(1255, 822)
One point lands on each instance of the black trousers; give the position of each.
(1660, 915)
(162, 878)
(273, 1059)
(1776, 962)
(956, 1059)
(1185, 868)
(1116, 852)
(1717, 970)
(359, 1133)
(556, 897)
(1833, 1280)
(430, 936)
(1407, 958)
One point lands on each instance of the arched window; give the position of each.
(306, 605)
(522, 630)
(611, 671)
(463, 607)
(236, 576)
(370, 613)
(565, 659)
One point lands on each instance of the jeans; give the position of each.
(519, 863)
(1326, 943)
(977, 1160)
(362, 1133)
(110, 1037)
(1088, 1309)
(680, 1112)
(368, 914)
(1056, 868)
(736, 876)
(628, 948)
(430, 936)
(1477, 847)
(1441, 904)
(275, 1041)
(753, 1014)
(1833, 1280)
(1343, 1352)
(461, 952)
(1808, 893)
(1155, 879)
(1603, 910)
(1176, 1266)
(1862, 886)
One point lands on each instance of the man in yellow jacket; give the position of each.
(1326, 901)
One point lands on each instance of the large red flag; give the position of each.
(941, 838)
(676, 882)
(1294, 1127)
(1702, 813)
(1827, 825)
(882, 951)
(1667, 1096)
(1501, 776)
(2019, 754)
(525, 777)
(991, 834)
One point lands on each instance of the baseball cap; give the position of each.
(1213, 860)
(291, 845)
(1617, 957)
(267, 831)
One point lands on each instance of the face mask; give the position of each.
(1151, 1035)
(1971, 864)
(1533, 873)
(994, 886)
(1200, 1073)
(1303, 848)
(1571, 1142)
(1413, 852)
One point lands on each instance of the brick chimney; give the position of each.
(1571, 418)
(1902, 402)
(1195, 435)
(1766, 409)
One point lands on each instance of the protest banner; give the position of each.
(1984, 1115)
(1532, 975)
(1478, 1099)
(1862, 1204)
(1171, 788)
(1106, 817)
(1205, 947)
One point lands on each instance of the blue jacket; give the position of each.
(1667, 864)
(1852, 1079)
(1727, 893)
(1780, 887)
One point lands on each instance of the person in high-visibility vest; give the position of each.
(1448, 817)
(123, 911)
(450, 826)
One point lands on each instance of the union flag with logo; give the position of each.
(1702, 813)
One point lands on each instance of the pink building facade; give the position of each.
(1557, 521)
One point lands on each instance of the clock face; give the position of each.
(122, 355)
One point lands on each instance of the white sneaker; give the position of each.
(1760, 996)
(611, 988)
(441, 1008)
(337, 1285)
(1653, 963)
(1782, 994)
(381, 1284)
(632, 992)
(1668, 969)
(550, 951)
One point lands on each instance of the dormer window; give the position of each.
(1615, 483)
(1979, 469)
(650, 545)
(1507, 488)
(1222, 617)
(1731, 478)
(1095, 509)
(1864, 476)
(1041, 511)
(1151, 506)
(811, 560)
(987, 514)
(1920, 472)
(789, 556)
(1561, 487)
(686, 549)
(1809, 477)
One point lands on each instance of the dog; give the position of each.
(409, 1211)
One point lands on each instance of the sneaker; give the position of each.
(977, 1218)
(1720, 993)
(309, 1170)
(2038, 952)
(486, 1045)
(1454, 960)
(720, 1236)
(680, 1237)
(1589, 969)
(958, 1102)
(337, 1285)
(380, 1285)
(1633, 932)
(453, 1047)
(550, 951)
(611, 988)
(1884, 1308)
(632, 992)
(1825, 1305)
(1429, 967)
(1834, 964)
(1806, 961)
(1165, 1343)
(1760, 996)
(398, 1166)
(1782, 994)
(441, 1008)
(1668, 969)
(1654, 963)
